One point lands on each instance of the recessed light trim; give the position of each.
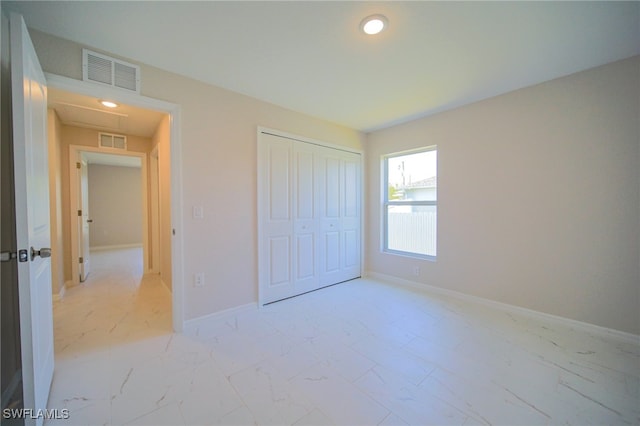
(109, 104)
(374, 24)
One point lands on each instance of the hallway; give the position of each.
(116, 304)
(97, 327)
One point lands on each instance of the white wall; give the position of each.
(218, 136)
(115, 205)
(538, 197)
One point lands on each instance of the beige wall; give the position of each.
(72, 135)
(538, 190)
(115, 205)
(218, 137)
(55, 201)
(538, 197)
(162, 140)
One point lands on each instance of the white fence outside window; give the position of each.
(413, 232)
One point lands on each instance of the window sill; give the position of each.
(410, 255)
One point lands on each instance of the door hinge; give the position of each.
(79, 212)
(81, 260)
(78, 166)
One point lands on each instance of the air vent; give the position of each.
(111, 141)
(103, 69)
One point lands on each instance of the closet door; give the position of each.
(308, 217)
(275, 190)
(351, 217)
(339, 175)
(305, 218)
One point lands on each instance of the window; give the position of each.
(410, 203)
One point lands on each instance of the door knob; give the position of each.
(89, 220)
(43, 252)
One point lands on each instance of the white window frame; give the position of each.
(386, 203)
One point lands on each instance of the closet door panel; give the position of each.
(276, 239)
(330, 212)
(350, 223)
(305, 257)
(351, 185)
(305, 225)
(305, 188)
(332, 253)
(279, 186)
(279, 261)
(351, 249)
(332, 188)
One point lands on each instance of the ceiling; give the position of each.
(85, 111)
(311, 57)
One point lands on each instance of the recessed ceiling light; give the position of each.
(373, 24)
(109, 104)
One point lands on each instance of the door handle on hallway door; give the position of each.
(43, 253)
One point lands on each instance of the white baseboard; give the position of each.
(166, 287)
(583, 326)
(115, 247)
(190, 326)
(58, 296)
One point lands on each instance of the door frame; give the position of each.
(154, 211)
(75, 155)
(173, 110)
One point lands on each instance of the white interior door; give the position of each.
(276, 222)
(351, 217)
(84, 220)
(309, 216)
(305, 217)
(29, 101)
(339, 216)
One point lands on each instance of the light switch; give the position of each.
(198, 212)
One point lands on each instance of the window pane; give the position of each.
(412, 229)
(413, 177)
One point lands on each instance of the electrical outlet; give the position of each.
(416, 271)
(198, 279)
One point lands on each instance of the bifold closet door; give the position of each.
(275, 189)
(308, 215)
(339, 175)
(305, 218)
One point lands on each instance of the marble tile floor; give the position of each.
(358, 353)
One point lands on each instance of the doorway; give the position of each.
(111, 198)
(167, 178)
